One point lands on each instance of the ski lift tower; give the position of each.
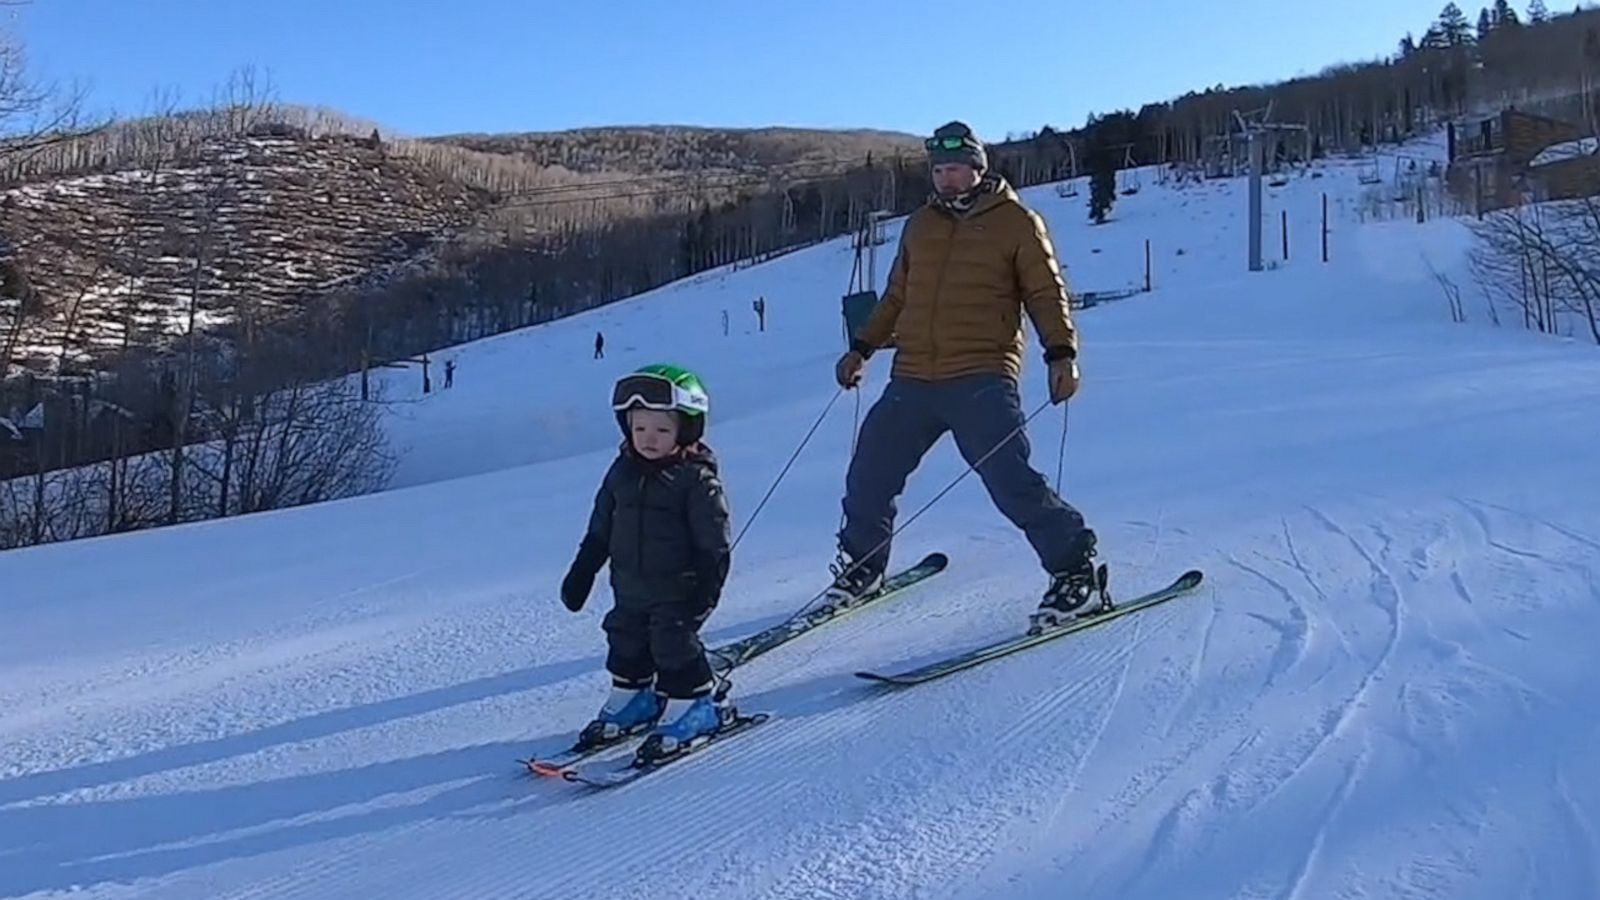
(1256, 126)
(875, 237)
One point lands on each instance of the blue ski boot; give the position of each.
(630, 709)
(682, 721)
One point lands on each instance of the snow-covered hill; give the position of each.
(1382, 690)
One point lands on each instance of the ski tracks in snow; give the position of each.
(1410, 687)
(1292, 634)
(1581, 833)
(1387, 595)
(1423, 663)
(1322, 668)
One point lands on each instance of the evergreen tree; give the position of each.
(1538, 13)
(1408, 46)
(1505, 16)
(1102, 178)
(1435, 39)
(1454, 27)
(1485, 25)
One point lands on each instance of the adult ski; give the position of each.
(737, 653)
(1183, 584)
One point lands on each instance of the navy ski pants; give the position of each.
(662, 640)
(980, 411)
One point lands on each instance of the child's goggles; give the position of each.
(649, 391)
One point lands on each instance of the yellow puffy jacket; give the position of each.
(958, 288)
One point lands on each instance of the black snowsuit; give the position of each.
(663, 526)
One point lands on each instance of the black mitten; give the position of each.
(579, 582)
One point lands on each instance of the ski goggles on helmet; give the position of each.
(950, 142)
(652, 392)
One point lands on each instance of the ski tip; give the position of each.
(935, 559)
(544, 767)
(1191, 579)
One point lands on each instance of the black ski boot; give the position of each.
(851, 582)
(1080, 593)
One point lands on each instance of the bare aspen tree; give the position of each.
(1542, 259)
(33, 116)
(1452, 291)
(18, 302)
(219, 193)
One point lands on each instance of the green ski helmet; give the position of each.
(664, 387)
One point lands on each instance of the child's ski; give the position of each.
(552, 766)
(601, 775)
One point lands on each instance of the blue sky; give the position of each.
(444, 66)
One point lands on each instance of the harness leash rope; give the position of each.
(971, 467)
(1061, 454)
(779, 480)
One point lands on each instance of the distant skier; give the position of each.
(449, 373)
(599, 345)
(760, 306)
(970, 262)
(661, 519)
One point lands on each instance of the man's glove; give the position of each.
(1064, 377)
(848, 370)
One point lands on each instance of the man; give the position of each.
(970, 262)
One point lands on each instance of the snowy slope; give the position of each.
(1382, 691)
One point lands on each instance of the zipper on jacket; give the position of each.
(644, 483)
(938, 288)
